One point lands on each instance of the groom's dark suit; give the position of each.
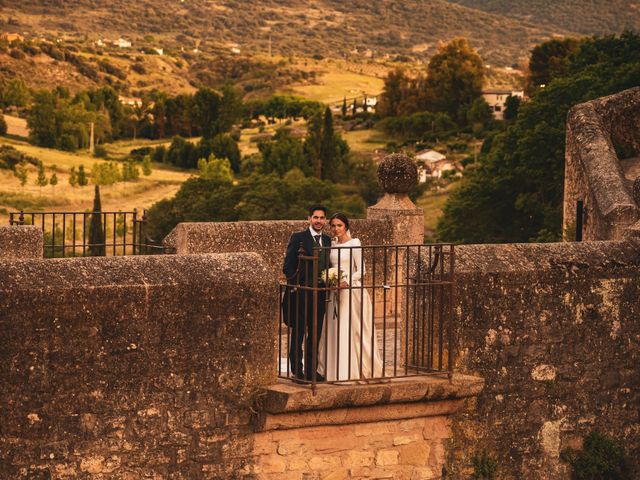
(299, 303)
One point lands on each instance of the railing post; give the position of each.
(135, 229)
(314, 337)
(579, 219)
(144, 232)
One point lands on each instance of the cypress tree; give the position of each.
(73, 177)
(327, 146)
(96, 234)
(146, 166)
(354, 107)
(82, 176)
(41, 180)
(344, 107)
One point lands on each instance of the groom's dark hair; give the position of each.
(315, 207)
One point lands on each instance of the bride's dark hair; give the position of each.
(342, 217)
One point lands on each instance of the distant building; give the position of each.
(122, 43)
(159, 51)
(497, 98)
(432, 164)
(100, 43)
(235, 50)
(131, 101)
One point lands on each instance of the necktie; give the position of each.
(316, 238)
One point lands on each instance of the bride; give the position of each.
(345, 350)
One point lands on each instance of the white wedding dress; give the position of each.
(340, 348)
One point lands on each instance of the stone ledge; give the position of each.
(286, 397)
(358, 414)
(21, 242)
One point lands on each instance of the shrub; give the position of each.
(68, 143)
(600, 458)
(100, 151)
(484, 467)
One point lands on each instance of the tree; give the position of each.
(14, 93)
(333, 150)
(73, 177)
(344, 107)
(354, 107)
(224, 146)
(455, 76)
(96, 233)
(515, 191)
(146, 166)
(327, 146)
(395, 94)
(511, 107)
(213, 168)
(282, 154)
(82, 177)
(53, 181)
(21, 173)
(3, 125)
(41, 179)
(312, 144)
(548, 61)
(43, 130)
(479, 115)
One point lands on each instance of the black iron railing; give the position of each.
(386, 313)
(69, 234)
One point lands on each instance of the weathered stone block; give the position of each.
(21, 242)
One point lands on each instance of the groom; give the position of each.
(298, 304)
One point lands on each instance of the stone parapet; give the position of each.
(396, 429)
(553, 329)
(132, 367)
(600, 134)
(267, 238)
(21, 242)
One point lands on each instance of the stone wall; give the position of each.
(132, 367)
(553, 329)
(20, 242)
(159, 367)
(394, 430)
(602, 156)
(267, 238)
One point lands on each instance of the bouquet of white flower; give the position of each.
(332, 276)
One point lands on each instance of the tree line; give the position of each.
(444, 100)
(514, 192)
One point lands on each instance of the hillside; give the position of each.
(322, 27)
(585, 17)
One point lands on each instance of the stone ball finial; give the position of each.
(636, 191)
(397, 173)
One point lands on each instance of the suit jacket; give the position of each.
(290, 266)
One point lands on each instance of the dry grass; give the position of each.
(16, 126)
(432, 202)
(162, 183)
(365, 141)
(336, 84)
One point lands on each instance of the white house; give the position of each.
(497, 98)
(122, 43)
(432, 164)
(130, 101)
